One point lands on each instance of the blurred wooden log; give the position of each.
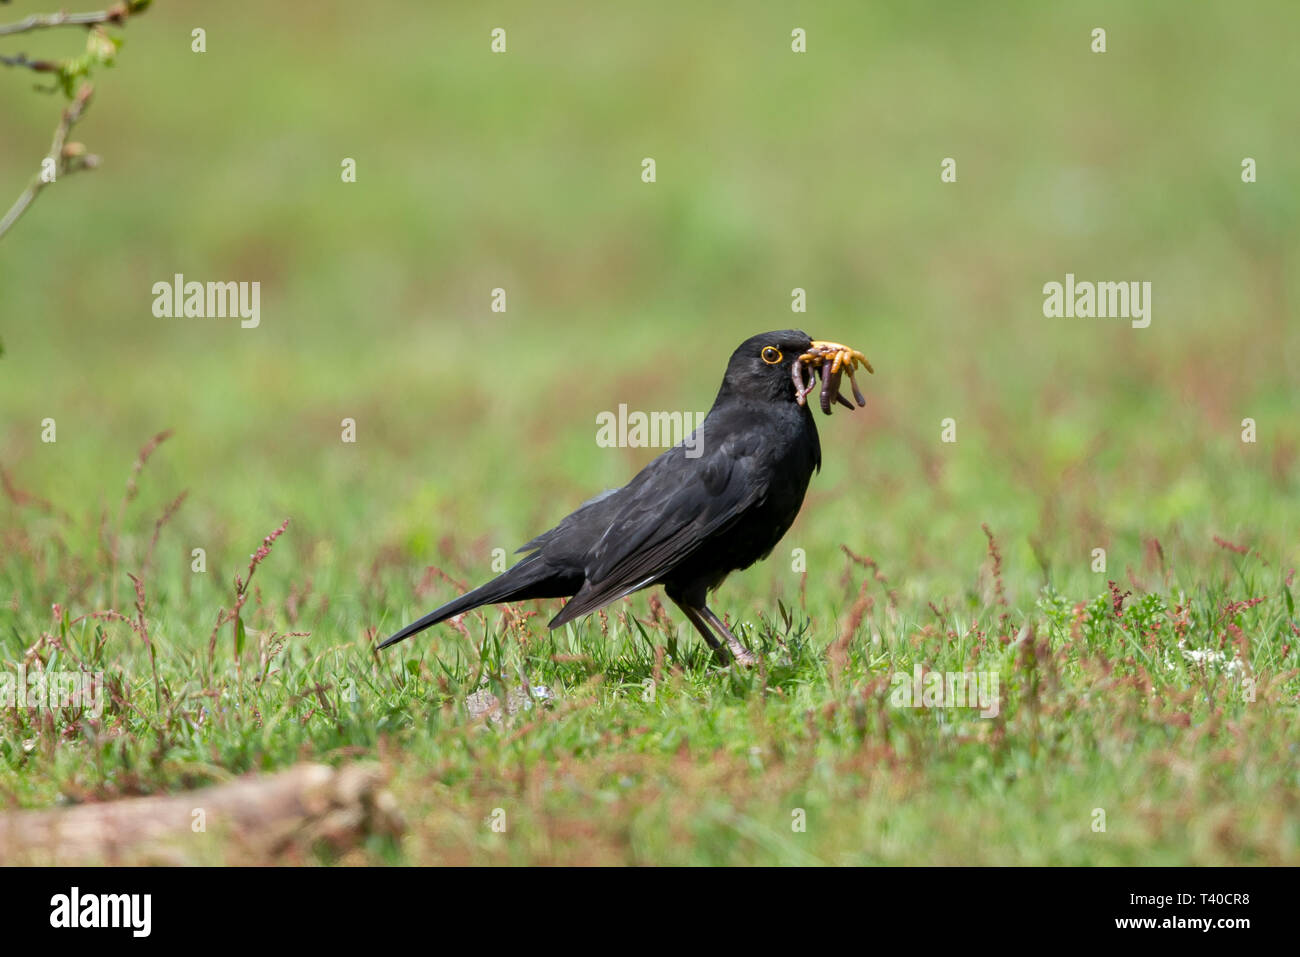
(255, 819)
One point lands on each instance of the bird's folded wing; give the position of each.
(670, 510)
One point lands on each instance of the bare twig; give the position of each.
(117, 13)
(40, 66)
(67, 157)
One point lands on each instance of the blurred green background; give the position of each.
(476, 430)
(775, 170)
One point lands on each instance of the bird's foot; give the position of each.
(742, 654)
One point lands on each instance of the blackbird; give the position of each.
(686, 521)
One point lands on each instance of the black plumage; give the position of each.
(687, 522)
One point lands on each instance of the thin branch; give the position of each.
(43, 21)
(40, 66)
(66, 159)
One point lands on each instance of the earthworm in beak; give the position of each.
(830, 360)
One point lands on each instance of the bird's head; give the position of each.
(784, 366)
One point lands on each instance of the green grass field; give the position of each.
(1157, 697)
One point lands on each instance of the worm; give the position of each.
(830, 385)
(830, 363)
(801, 386)
(838, 396)
(857, 393)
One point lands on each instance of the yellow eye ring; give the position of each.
(771, 355)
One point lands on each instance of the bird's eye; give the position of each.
(771, 355)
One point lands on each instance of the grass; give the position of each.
(1169, 706)
(1161, 691)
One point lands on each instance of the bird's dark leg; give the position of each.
(743, 654)
(697, 619)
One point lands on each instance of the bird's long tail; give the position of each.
(514, 584)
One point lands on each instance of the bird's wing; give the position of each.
(664, 514)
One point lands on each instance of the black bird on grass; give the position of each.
(699, 511)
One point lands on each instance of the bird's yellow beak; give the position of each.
(839, 356)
